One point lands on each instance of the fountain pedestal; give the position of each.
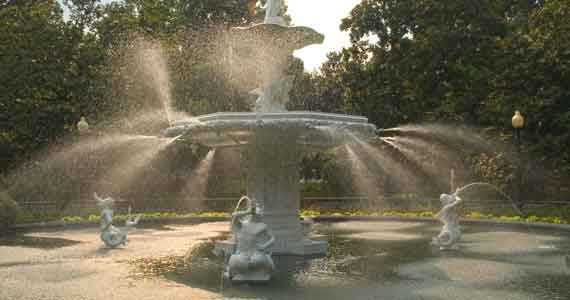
(272, 138)
(273, 180)
(272, 145)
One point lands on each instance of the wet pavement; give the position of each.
(367, 260)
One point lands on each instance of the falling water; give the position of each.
(396, 170)
(70, 154)
(451, 136)
(198, 180)
(126, 171)
(493, 187)
(148, 122)
(392, 142)
(154, 64)
(439, 152)
(364, 181)
(424, 157)
(94, 144)
(62, 175)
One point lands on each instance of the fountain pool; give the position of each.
(366, 260)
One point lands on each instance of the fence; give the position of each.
(401, 201)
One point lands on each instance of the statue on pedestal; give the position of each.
(112, 236)
(251, 260)
(451, 232)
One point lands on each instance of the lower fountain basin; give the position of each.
(367, 260)
(310, 129)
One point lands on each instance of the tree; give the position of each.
(35, 74)
(469, 61)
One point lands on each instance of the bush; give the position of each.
(8, 210)
(313, 188)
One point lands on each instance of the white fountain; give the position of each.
(273, 139)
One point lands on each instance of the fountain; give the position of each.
(368, 258)
(272, 139)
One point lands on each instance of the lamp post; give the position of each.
(518, 123)
(83, 129)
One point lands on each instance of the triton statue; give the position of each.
(251, 260)
(451, 231)
(112, 236)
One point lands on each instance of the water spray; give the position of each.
(475, 184)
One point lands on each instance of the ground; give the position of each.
(368, 260)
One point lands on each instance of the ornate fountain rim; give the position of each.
(313, 129)
(244, 116)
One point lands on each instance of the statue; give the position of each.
(451, 231)
(251, 260)
(273, 12)
(274, 96)
(111, 235)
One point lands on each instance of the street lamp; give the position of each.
(83, 126)
(518, 120)
(83, 129)
(518, 123)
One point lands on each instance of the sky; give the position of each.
(324, 16)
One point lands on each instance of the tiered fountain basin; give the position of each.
(309, 129)
(272, 145)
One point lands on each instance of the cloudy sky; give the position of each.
(325, 17)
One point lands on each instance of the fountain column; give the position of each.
(273, 181)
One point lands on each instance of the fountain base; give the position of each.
(304, 247)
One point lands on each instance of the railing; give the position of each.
(340, 202)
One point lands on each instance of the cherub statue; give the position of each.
(111, 235)
(451, 232)
(251, 260)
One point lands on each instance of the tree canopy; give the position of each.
(474, 62)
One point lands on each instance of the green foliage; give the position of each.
(474, 62)
(492, 168)
(53, 70)
(36, 73)
(313, 188)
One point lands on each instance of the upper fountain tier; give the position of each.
(274, 34)
(271, 44)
